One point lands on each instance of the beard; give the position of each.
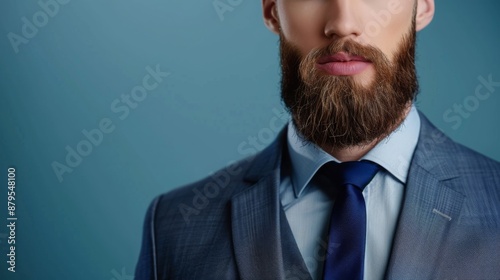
(336, 111)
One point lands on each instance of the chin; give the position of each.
(366, 78)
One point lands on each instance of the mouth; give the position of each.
(343, 64)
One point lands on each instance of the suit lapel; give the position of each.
(431, 206)
(264, 245)
(429, 209)
(256, 232)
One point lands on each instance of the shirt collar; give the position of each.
(393, 153)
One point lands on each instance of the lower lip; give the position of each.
(348, 68)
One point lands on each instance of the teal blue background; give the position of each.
(222, 89)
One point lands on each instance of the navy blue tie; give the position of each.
(347, 234)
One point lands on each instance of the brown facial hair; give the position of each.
(337, 111)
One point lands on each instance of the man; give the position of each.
(360, 185)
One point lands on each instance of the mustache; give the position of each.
(350, 47)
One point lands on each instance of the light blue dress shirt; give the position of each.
(308, 206)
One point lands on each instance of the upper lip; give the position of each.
(341, 57)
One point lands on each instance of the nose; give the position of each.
(342, 19)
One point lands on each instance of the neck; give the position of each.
(352, 153)
(355, 153)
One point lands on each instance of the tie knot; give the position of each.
(357, 173)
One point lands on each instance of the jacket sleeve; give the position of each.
(146, 265)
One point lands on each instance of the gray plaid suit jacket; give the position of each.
(231, 225)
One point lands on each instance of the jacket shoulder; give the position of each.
(211, 194)
(439, 154)
(473, 175)
(205, 195)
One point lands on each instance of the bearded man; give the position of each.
(359, 185)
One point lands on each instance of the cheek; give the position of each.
(302, 23)
(386, 26)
